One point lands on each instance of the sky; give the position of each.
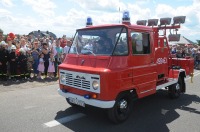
(65, 16)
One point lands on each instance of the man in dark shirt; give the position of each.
(3, 61)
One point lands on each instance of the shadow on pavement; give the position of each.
(21, 81)
(151, 114)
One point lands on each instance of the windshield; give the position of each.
(103, 41)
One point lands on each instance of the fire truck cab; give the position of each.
(109, 66)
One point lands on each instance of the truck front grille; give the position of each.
(80, 80)
(76, 82)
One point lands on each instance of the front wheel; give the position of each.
(122, 109)
(176, 89)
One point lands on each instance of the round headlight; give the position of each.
(95, 85)
(62, 78)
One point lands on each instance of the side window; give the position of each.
(122, 46)
(140, 43)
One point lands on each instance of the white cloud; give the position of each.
(4, 12)
(101, 11)
(43, 7)
(141, 2)
(99, 5)
(7, 3)
(163, 10)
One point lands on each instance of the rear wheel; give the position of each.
(176, 89)
(122, 109)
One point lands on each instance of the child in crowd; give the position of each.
(51, 68)
(41, 65)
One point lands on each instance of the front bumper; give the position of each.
(92, 102)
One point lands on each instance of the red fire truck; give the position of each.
(109, 66)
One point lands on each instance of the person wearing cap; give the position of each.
(22, 60)
(3, 61)
(9, 42)
(63, 41)
(13, 63)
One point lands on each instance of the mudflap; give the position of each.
(182, 80)
(183, 90)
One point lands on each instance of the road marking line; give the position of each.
(63, 120)
(79, 115)
(29, 107)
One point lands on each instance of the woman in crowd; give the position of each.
(46, 51)
(35, 54)
(58, 56)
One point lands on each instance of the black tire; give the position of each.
(122, 108)
(176, 89)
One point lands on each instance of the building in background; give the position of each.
(40, 34)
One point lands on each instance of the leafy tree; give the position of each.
(198, 42)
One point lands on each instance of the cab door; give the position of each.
(142, 61)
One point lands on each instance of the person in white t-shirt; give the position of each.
(66, 48)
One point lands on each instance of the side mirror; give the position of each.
(174, 37)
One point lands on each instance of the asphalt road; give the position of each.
(37, 107)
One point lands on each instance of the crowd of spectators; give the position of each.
(24, 57)
(188, 50)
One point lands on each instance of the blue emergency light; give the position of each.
(89, 21)
(87, 96)
(126, 17)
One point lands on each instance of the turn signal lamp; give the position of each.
(89, 21)
(94, 96)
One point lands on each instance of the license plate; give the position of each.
(76, 101)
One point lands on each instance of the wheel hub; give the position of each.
(123, 104)
(177, 87)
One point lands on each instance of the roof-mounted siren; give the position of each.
(174, 37)
(165, 21)
(126, 18)
(152, 22)
(179, 20)
(142, 22)
(89, 22)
